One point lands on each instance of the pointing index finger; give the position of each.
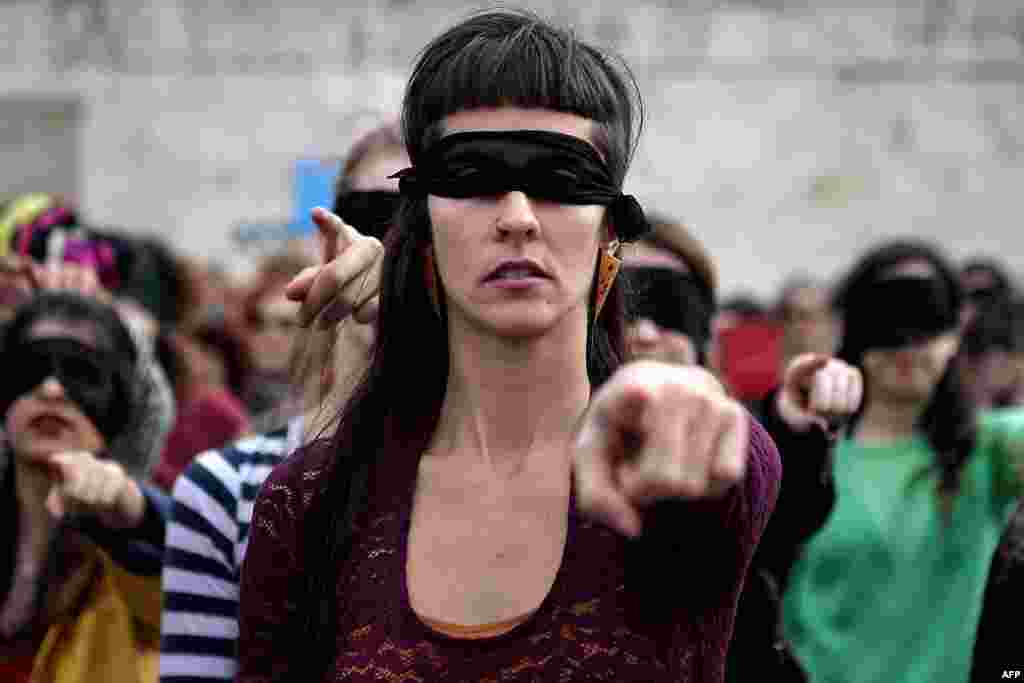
(336, 235)
(61, 466)
(802, 368)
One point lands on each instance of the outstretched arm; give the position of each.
(817, 395)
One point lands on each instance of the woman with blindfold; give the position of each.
(79, 565)
(890, 589)
(672, 282)
(366, 197)
(504, 497)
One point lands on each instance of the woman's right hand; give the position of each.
(85, 484)
(657, 431)
(346, 282)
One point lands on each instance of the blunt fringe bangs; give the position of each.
(515, 58)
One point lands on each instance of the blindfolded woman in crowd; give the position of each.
(671, 301)
(503, 496)
(79, 598)
(890, 589)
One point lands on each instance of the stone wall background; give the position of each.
(790, 134)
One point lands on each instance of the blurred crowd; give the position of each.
(228, 368)
(147, 396)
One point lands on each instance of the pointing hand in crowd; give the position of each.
(819, 390)
(346, 282)
(85, 484)
(657, 431)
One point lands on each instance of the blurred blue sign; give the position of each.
(314, 186)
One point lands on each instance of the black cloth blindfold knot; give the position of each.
(542, 164)
(672, 299)
(95, 380)
(900, 311)
(371, 213)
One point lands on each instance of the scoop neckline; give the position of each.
(412, 620)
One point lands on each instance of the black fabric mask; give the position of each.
(545, 165)
(371, 213)
(672, 299)
(899, 311)
(94, 380)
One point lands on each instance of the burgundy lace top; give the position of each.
(656, 609)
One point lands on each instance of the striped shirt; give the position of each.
(206, 541)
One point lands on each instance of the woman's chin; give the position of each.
(522, 324)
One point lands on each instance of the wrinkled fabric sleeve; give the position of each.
(692, 559)
(807, 492)
(140, 550)
(724, 531)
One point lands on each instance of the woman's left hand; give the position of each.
(346, 282)
(657, 431)
(85, 484)
(819, 390)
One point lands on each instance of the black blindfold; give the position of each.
(544, 165)
(94, 380)
(371, 213)
(899, 311)
(672, 299)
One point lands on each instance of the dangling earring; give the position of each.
(430, 280)
(608, 268)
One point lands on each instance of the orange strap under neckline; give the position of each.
(476, 632)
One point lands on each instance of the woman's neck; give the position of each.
(888, 421)
(508, 399)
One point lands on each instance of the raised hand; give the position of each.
(657, 431)
(85, 484)
(347, 280)
(819, 390)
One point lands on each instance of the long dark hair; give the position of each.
(494, 58)
(111, 335)
(948, 421)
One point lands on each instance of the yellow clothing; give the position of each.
(105, 626)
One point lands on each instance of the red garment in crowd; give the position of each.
(212, 419)
(749, 357)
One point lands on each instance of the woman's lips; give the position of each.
(516, 269)
(516, 282)
(516, 274)
(49, 424)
